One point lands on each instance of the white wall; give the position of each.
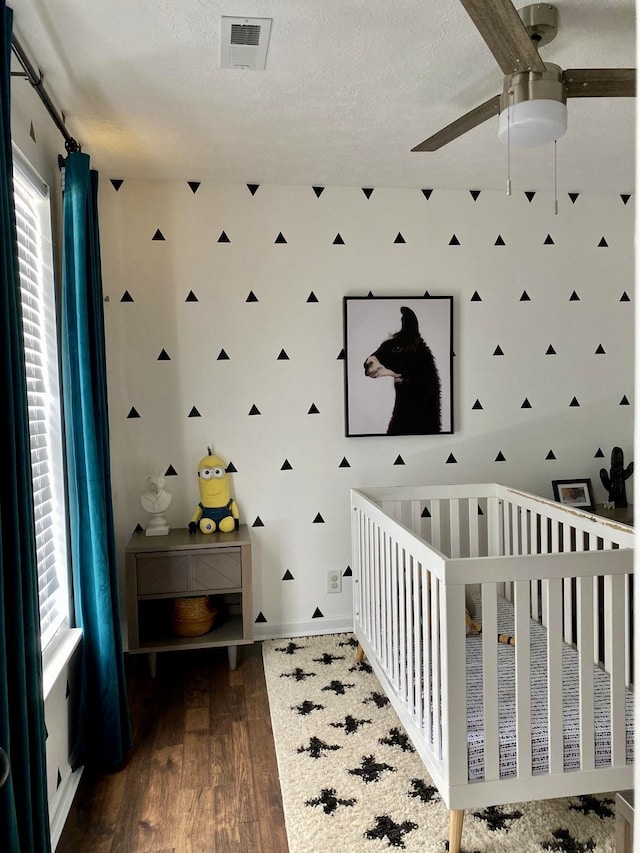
(548, 256)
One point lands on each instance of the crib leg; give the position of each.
(456, 818)
(359, 654)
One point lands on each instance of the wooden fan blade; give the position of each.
(600, 82)
(506, 36)
(461, 125)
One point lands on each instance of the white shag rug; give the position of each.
(352, 782)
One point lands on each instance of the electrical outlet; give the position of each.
(334, 581)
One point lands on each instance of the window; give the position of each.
(35, 255)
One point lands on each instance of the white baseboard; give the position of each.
(306, 628)
(61, 806)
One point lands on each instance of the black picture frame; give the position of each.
(576, 493)
(398, 404)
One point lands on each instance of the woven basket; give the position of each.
(192, 616)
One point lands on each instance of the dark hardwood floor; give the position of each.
(202, 775)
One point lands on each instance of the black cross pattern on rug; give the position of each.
(370, 770)
(298, 674)
(351, 642)
(363, 666)
(317, 748)
(496, 818)
(394, 832)
(306, 707)
(327, 659)
(566, 843)
(593, 805)
(378, 699)
(329, 801)
(338, 687)
(290, 649)
(350, 724)
(422, 791)
(397, 738)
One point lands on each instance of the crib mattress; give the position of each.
(539, 721)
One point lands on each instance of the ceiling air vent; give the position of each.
(244, 43)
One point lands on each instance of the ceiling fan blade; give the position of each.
(461, 125)
(502, 29)
(600, 82)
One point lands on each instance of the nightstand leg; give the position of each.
(232, 651)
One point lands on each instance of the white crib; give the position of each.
(551, 716)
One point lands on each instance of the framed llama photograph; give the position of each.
(398, 365)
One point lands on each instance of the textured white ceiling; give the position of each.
(350, 86)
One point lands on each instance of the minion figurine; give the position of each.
(217, 510)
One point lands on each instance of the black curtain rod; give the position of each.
(36, 79)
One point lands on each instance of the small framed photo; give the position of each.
(576, 493)
(398, 365)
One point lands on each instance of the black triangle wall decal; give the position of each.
(133, 413)
(426, 293)
(171, 472)
(127, 297)
(451, 460)
(600, 350)
(341, 356)
(253, 188)
(525, 297)
(116, 183)
(548, 240)
(599, 454)
(550, 351)
(318, 519)
(312, 297)
(344, 463)
(399, 460)
(193, 186)
(625, 297)
(498, 350)
(526, 404)
(347, 572)
(367, 191)
(603, 243)
(624, 401)
(530, 195)
(252, 297)
(287, 576)
(223, 238)
(573, 197)
(286, 466)
(574, 403)
(318, 614)
(313, 410)
(474, 194)
(260, 618)
(425, 513)
(500, 457)
(399, 238)
(318, 191)
(499, 241)
(338, 241)
(625, 197)
(427, 194)
(574, 297)
(283, 356)
(258, 522)
(191, 297)
(58, 779)
(254, 410)
(158, 235)
(231, 468)
(164, 356)
(222, 356)
(476, 297)
(550, 455)
(138, 528)
(476, 406)
(194, 413)
(454, 241)
(280, 238)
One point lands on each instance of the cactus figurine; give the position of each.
(613, 481)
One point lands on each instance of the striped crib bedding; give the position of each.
(539, 721)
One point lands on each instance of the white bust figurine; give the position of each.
(156, 501)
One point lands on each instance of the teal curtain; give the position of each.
(24, 819)
(104, 731)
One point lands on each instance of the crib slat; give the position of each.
(584, 595)
(490, 679)
(474, 528)
(554, 673)
(408, 631)
(426, 656)
(395, 630)
(435, 661)
(523, 678)
(454, 688)
(417, 645)
(454, 527)
(493, 534)
(436, 540)
(614, 598)
(402, 622)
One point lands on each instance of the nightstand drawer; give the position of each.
(218, 570)
(160, 574)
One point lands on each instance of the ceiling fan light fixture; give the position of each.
(530, 123)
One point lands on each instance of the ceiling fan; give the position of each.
(532, 106)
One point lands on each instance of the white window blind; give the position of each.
(35, 257)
